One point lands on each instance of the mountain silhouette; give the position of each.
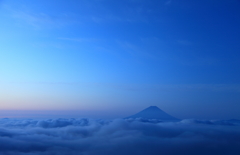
(153, 112)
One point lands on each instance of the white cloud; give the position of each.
(97, 137)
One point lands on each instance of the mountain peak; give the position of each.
(153, 112)
(153, 107)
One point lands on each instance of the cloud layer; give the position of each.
(131, 136)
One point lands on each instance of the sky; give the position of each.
(105, 58)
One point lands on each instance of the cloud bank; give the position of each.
(130, 136)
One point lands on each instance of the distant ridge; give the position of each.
(153, 112)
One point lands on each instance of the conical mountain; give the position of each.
(153, 112)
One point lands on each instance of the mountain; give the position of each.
(153, 112)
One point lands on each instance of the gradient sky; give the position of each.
(117, 57)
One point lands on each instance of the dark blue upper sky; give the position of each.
(102, 55)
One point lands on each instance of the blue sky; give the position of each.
(122, 56)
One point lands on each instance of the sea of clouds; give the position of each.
(118, 137)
